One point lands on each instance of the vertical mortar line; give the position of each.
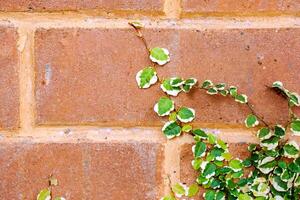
(171, 164)
(26, 77)
(172, 9)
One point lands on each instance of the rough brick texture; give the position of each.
(57, 5)
(88, 76)
(240, 6)
(188, 174)
(84, 170)
(9, 84)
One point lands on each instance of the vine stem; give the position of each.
(169, 184)
(250, 106)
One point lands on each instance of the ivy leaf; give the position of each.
(295, 127)
(44, 195)
(251, 121)
(207, 84)
(212, 91)
(169, 89)
(199, 149)
(171, 129)
(291, 150)
(220, 195)
(244, 197)
(278, 184)
(186, 114)
(200, 133)
(168, 198)
(209, 195)
(164, 106)
(188, 84)
(193, 190)
(209, 170)
(224, 92)
(233, 91)
(270, 143)
(277, 84)
(186, 128)
(59, 198)
(236, 165)
(146, 77)
(294, 98)
(137, 25)
(179, 189)
(176, 82)
(266, 165)
(279, 131)
(173, 116)
(220, 86)
(241, 98)
(196, 163)
(264, 133)
(159, 55)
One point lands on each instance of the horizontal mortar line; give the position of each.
(65, 21)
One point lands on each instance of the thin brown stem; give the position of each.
(141, 36)
(250, 106)
(170, 185)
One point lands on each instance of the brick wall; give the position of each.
(70, 105)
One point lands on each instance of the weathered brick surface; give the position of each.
(84, 170)
(56, 5)
(188, 174)
(88, 76)
(9, 85)
(241, 6)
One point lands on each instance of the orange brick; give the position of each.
(56, 5)
(88, 76)
(84, 170)
(241, 6)
(188, 175)
(9, 84)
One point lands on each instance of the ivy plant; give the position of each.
(46, 193)
(274, 162)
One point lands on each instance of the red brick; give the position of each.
(84, 170)
(93, 73)
(56, 5)
(92, 77)
(241, 6)
(9, 84)
(188, 175)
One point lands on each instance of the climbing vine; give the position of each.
(274, 162)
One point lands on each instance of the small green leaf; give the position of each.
(176, 82)
(241, 98)
(291, 150)
(209, 195)
(169, 89)
(264, 133)
(137, 25)
(188, 84)
(173, 116)
(146, 77)
(193, 190)
(294, 99)
(277, 84)
(207, 84)
(211, 138)
(186, 128)
(199, 149)
(179, 189)
(209, 170)
(295, 127)
(266, 165)
(186, 114)
(279, 131)
(244, 197)
(200, 133)
(251, 121)
(59, 198)
(171, 129)
(196, 163)
(224, 92)
(159, 55)
(168, 198)
(220, 86)
(44, 194)
(212, 91)
(270, 143)
(236, 165)
(164, 106)
(233, 91)
(252, 147)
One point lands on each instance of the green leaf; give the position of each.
(241, 98)
(220, 86)
(209, 170)
(146, 77)
(196, 163)
(169, 89)
(295, 127)
(168, 198)
(44, 194)
(244, 197)
(173, 116)
(193, 190)
(264, 133)
(277, 84)
(200, 133)
(164, 106)
(278, 184)
(224, 92)
(199, 149)
(207, 84)
(188, 84)
(186, 128)
(186, 114)
(279, 131)
(252, 147)
(270, 143)
(137, 25)
(220, 195)
(291, 150)
(294, 99)
(236, 165)
(251, 121)
(179, 189)
(176, 82)
(211, 138)
(227, 156)
(212, 91)
(209, 195)
(59, 198)
(159, 55)
(266, 165)
(233, 91)
(171, 129)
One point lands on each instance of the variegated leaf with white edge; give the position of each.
(169, 89)
(171, 129)
(251, 121)
(159, 55)
(164, 106)
(146, 77)
(44, 194)
(186, 114)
